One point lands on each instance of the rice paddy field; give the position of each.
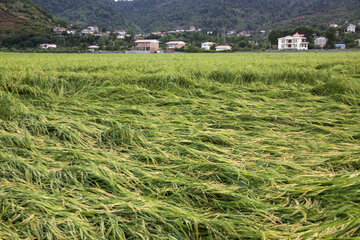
(181, 146)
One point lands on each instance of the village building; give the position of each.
(223, 48)
(207, 45)
(59, 30)
(139, 35)
(101, 34)
(192, 29)
(295, 42)
(87, 31)
(151, 45)
(245, 33)
(161, 34)
(120, 34)
(340, 46)
(71, 31)
(320, 41)
(47, 46)
(233, 32)
(172, 45)
(93, 29)
(351, 28)
(93, 48)
(333, 25)
(358, 41)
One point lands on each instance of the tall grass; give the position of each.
(192, 146)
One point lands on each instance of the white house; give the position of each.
(295, 42)
(192, 29)
(172, 45)
(245, 33)
(86, 31)
(358, 41)
(101, 34)
(47, 46)
(93, 48)
(320, 41)
(71, 31)
(351, 28)
(207, 45)
(93, 28)
(120, 34)
(223, 48)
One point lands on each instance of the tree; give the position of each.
(274, 35)
(330, 34)
(83, 47)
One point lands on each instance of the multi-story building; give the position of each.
(351, 28)
(151, 45)
(295, 42)
(172, 45)
(320, 41)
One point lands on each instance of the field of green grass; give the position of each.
(182, 146)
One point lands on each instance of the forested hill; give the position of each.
(149, 15)
(23, 16)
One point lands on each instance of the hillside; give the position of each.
(25, 25)
(182, 146)
(149, 15)
(23, 15)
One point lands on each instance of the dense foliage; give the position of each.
(149, 15)
(181, 146)
(25, 25)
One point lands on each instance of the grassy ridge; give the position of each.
(220, 146)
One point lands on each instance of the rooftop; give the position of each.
(146, 40)
(176, 42)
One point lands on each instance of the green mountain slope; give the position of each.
(232, 14)
(23, 15)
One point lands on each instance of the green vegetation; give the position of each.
(155, 15)
(24, 25)
(180, 146)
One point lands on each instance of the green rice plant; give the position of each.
(120, 134)
(179, 146)
(339, 85)
(10, 107)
